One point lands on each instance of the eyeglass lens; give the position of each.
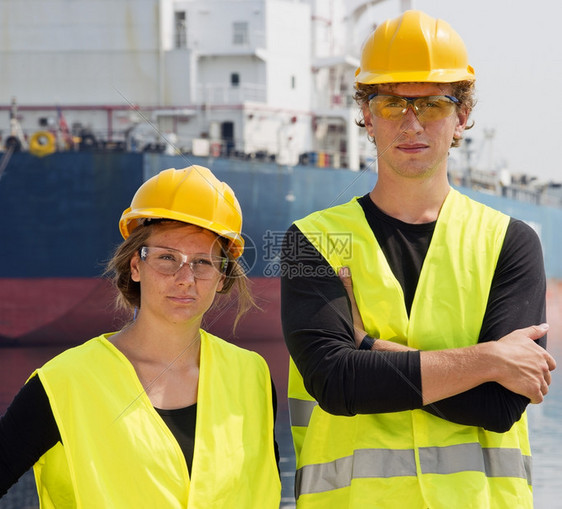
(427, 108)
(169, 261)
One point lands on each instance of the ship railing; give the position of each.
(204, 147)
(221, 94)
(334, 102)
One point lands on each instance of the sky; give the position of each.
(515, 47)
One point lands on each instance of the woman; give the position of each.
(124, 405)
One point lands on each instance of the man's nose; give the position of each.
(410, 120)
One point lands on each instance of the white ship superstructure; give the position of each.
(253, 78)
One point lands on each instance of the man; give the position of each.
(431, 414)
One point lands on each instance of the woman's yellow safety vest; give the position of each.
(118, 452)
(410, 459)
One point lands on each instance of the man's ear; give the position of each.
(462, 120)
(368, 119)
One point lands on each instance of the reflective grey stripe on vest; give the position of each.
(364, 463)
(494, 462)
(384, 463)
(300, 411)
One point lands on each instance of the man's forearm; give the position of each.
(445, 373)
(515, 361)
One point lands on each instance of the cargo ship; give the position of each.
(131, 88)
(96, 97)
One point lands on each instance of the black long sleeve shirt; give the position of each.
(318, 330)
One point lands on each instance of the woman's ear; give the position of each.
(135, 270)
(220, 284)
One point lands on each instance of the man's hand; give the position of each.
(359, 329)
(389, 345)
(524, 366)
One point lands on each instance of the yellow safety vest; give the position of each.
(410, 459)
(118, 453)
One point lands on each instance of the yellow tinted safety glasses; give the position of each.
(427, 108)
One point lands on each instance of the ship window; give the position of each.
(180, 35)
(235, 79)
(240, 33)
(293, 82)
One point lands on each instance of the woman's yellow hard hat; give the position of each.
(191, 195)
(414, 47)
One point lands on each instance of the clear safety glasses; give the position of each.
(428, 108)
(168, 261)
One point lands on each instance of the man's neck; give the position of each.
(413, 201)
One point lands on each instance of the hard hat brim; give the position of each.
(129, 222)
(434, 76)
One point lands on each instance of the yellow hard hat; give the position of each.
(414, 47)
(190, 195)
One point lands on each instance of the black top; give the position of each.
(28, 430)
(181, 422)
(318, 330)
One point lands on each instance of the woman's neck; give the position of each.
(144, 340)
(166, 362)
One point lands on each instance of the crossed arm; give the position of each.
(515, 361)
(488, 384)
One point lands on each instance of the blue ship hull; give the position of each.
(59, 214)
